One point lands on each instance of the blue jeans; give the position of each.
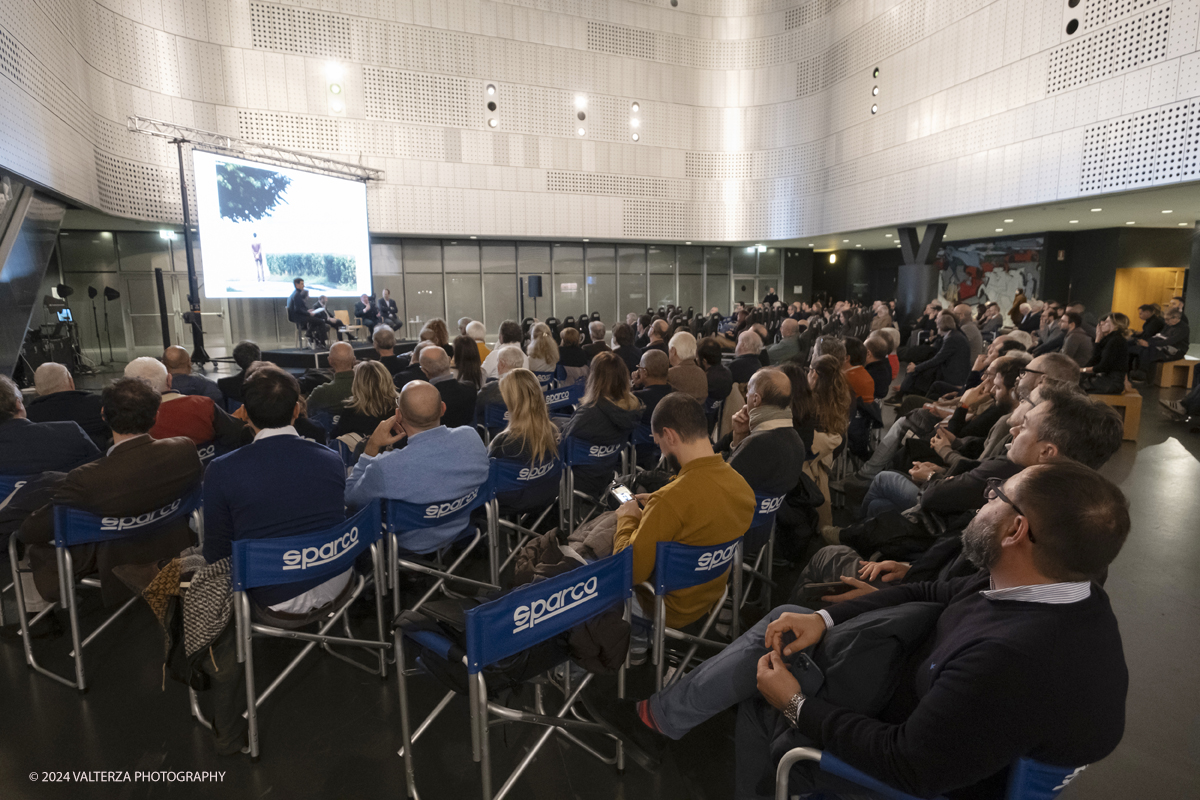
(890, 491)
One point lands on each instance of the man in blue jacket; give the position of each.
(436, 465)
(30, 448)
(951, 364)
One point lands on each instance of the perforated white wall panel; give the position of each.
(754, 117)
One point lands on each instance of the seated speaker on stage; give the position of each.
(179, 365)
(367, 310)
(59, 401)
(195, 416)
(387, 310)
(298, 314)
(325, 314)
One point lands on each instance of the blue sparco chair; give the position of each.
(523, 494)
(73, 526)
(9, 484)
(423, 529)
(760, 541)
(505, 627)
(495, 419)
(548, 380)
(306, 557)
(594, 460)
(559, 399)
(1027, 779)
(681, 566)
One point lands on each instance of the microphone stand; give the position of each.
(96, 320)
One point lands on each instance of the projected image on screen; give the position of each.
(263, 225)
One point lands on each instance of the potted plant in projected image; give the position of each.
(248, 195)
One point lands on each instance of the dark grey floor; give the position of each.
(332, 731)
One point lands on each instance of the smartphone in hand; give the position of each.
(622, 493)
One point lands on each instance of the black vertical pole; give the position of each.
(199, 356)
(162, 308)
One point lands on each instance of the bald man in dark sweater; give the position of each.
(1026, 661)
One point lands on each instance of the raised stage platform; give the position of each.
(303, 358)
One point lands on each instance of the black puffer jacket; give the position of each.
(601, 423)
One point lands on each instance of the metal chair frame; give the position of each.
(490, 638)
(496, 519)
(9, 484)
(365, 524)
(74, 527)
(578, 453)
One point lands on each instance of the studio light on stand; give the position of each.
(96, 319)
(109, 294)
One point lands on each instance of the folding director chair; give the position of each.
(547, 380)
(308, 556)
(75, 527)
(495, 419)
(760, 537)
(1027, 779)
(509, 625)
(521, 490)
(682, 566)
(592, 459)
(405, 523)
(8, 487)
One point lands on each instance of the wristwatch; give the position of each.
(792, 710)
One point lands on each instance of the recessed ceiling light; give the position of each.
(998, 230)
(874, 91)
(1131, 222)
(1183, 224)
(493, 122)
(687, 242)
(635, 108)
(580, 101)
(888, 235)
(1073, 222)
(587, 240)
(1008, 220)
(845, 240)
(858, 245)
(581, 131)
(473, 237)
(874, 109)
(491, 89)
(636, 137)
(634, 122)
(1168, 211)
(1097, 209)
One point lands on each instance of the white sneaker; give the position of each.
(638, 652)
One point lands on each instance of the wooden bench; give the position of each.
(1181, 372)
(1130, 405)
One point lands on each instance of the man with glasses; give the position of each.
(1026, 661)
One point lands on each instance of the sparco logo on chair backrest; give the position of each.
(533, 473)
(717, 558)
(543, 609)
(315, 556)
(438, 511)
(770, 504)
(602, 450)
(141, 520)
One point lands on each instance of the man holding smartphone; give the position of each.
(706, 503)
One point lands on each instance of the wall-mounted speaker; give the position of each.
(535, 285)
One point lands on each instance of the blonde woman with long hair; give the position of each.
(372, 399)
(530, 435)
(543, 352)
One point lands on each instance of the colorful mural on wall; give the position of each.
(987, 272)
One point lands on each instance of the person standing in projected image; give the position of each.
(256, 250)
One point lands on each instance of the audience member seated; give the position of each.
(59, 401)
(1152, 321)
(626, 349)
(879, 346)
(596, 334)
(1168, 344)
(458, 396)
(543, 352)
(468, 366)
(571, 358)
(530, 435)
(788, 346)
(746, 361)
(993, 321)
(30, 448)
(965, 434)
(366, 310)
(411, 369)
(478, 332)
(658, 336)
(510, 334)
(852, 355)
(707, 503)
(1031, 318)
(331, 397)
(280, 485)
(951, 364)
(1031, 633)
(685, 375)
(1077, 345)
(437, 464)
(511, 358)
(245, 353)
(195, 416)
(718, 376)
(968, 328)
(138, 475)
(765, 447)
(607, 414)
(1107, 369)
(384, 340)
(435, 331)
(652, 377)
(643, 331)
(179, 364)
(372, 399)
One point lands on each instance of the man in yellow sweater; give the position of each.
(706, 503)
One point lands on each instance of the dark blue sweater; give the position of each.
(278, 486)
(1005, 679)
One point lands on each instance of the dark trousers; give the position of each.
(227, 692)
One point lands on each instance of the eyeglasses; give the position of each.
(994, 491)
(1027, 370)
